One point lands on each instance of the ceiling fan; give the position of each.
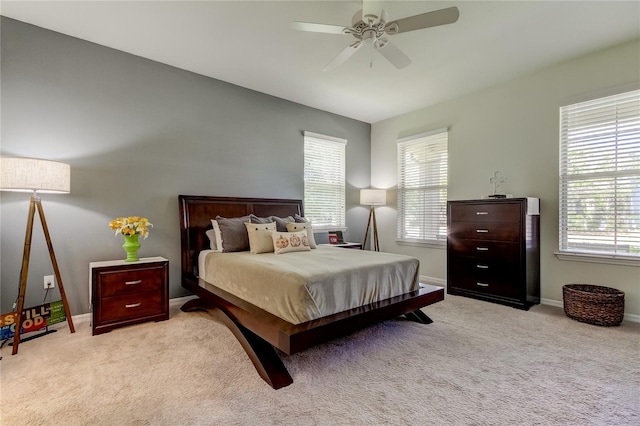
(374, 30)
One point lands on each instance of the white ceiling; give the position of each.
(251, 44)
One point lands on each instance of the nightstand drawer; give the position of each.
(130, 307)
(115, 283)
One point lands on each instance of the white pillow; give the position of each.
(215, 237)
(285, 242)
(295, 227)
(260, 237)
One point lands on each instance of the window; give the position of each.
(324, 180)
(600, 176)
(422, 188)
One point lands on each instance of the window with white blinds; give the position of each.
(600, 176)
(324, 180)
(422, 188)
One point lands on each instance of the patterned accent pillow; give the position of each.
(234, 233)
(295, 227)
(260, 237)
(285, 242)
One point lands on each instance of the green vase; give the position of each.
(131, 246)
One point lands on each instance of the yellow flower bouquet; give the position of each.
(131, 225)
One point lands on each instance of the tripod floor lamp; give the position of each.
(372, 198)
(35, 176)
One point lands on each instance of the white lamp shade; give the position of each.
(32, 174)
(373, 197)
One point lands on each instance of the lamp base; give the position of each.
(373, 225)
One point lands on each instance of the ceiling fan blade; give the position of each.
(393, 54)
(318, 28)
(343, 56)
(368, 9)
(425, 20)
(384, 16)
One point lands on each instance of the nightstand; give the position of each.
(124, 293)
(357, 246)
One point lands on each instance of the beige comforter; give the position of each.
(302, 286)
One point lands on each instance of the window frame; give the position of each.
(337, 173)
(574, 118)
(439, 138)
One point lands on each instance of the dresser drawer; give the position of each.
(116, 283)
(504, 283)
(508, 252)
(485, 212)
(130, 307)
(507, 231)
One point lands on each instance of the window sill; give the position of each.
(599, 258)
(423, 243)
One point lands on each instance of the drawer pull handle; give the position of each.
(482, 248)
(482, 266)
(482, 231)
(133, 282)
(133, 305)
(482, 213)
(483, 284)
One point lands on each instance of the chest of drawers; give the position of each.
(128, 293)
(493, 250)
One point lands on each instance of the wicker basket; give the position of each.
(593, 304)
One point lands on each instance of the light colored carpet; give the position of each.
(478, 363)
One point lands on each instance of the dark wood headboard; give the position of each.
(197, 211)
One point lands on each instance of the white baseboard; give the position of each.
(560, 304)
(433, 281)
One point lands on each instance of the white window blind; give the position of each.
(422, 187)
(600, 176)
(324, 180)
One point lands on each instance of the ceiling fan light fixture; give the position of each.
(373, 30)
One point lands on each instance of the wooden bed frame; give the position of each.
(259, 331)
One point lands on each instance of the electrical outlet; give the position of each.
(49, 281)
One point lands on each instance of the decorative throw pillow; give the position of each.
(213, 244)
(260, 240)
(215, 238)
(295, 227)
(234, 233)
(255, 219)
(285, 242)
(281, 222)
(299, 219)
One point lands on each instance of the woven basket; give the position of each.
(593, 304)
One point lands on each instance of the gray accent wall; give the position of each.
(137, 134)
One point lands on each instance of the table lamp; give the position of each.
(35, 176)
(371, 198)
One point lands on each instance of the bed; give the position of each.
(262, 333)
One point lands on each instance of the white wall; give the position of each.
(512, 127)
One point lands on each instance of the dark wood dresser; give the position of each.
(125, 293)
(493, 250)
